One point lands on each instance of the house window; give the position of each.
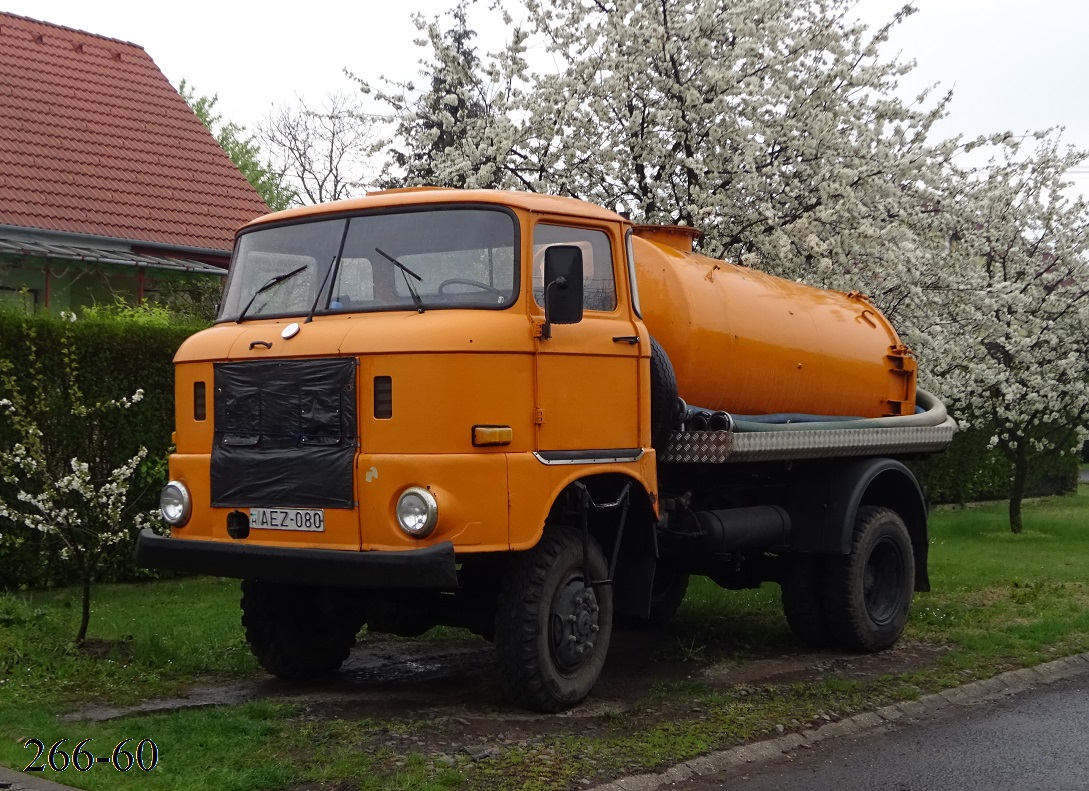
(26, 298)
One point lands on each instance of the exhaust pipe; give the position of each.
(758, 527)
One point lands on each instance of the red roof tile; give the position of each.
(94, 140)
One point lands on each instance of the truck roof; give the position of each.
(416, 196)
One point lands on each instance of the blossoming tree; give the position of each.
(775, 127)
(82, 505)
(1007, 340)
(463, 128)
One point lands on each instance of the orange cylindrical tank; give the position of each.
(746, 342)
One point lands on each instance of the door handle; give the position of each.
(632, 339)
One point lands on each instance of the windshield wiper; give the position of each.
(272, 281)
(405, 272)
(317, 299)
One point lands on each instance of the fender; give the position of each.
(876, 481)
(635, 550)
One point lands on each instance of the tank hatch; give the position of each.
(678, 237)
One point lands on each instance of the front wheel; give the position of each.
(868, 592)
(552, 627)
(297, 631)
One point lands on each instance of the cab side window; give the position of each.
(598, 286)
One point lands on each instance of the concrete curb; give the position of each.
(10, 780)
(1002, 685)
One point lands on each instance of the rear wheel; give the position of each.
(297, 631)
(404, 618)
(552, 628)
(868, 592)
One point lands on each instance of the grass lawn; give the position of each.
(999, 597)
(998, 601)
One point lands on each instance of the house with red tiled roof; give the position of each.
(109, 184)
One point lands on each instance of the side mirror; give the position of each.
(563, 286)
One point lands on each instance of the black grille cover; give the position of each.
(285, 434)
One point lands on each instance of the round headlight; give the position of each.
(417, 512)
(175, 503)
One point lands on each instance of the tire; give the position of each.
(293, 632)
(867, 594)
(803, 594)
(664, 407)
(551, 631)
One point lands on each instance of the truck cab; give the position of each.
(402, 349)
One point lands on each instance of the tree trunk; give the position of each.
(1020, 474)
(86, 614)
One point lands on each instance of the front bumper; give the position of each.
(426, 568)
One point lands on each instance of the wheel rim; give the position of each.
(575, 614)
(883, 582)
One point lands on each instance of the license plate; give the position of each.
(288, 519)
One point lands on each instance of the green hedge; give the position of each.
(114, 356)
(118, 354)
(968, 471)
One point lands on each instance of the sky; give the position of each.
(1013, 65)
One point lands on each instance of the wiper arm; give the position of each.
(272, 281)
(405, 272)
(396, 263)
(317, 299)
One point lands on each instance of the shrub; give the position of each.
(112, 354)
(970, 471)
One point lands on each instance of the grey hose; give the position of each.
(933, 414)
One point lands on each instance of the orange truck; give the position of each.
(522, 415)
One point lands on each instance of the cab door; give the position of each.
(588, 373)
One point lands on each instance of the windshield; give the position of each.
(448, 257)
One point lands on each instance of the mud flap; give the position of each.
(633, 584)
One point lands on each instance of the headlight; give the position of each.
(175, 503)
(417, 512)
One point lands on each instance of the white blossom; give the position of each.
(1004, 325)
(775, 127)
(84, 505)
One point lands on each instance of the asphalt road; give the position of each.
(1034, 741)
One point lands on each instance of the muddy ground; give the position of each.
(450, 685)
